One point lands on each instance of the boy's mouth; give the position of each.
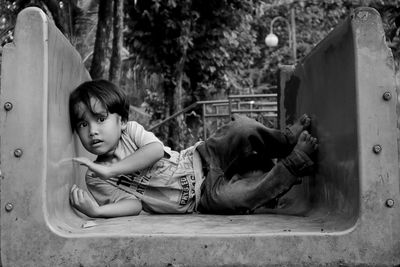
(95, 142)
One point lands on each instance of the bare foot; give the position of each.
(307, 143)
(301, 124)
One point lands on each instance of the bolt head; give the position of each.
(389, 203)
(9, 207)
(377, 149)
(8, 106)
(18, 153)
(387, 96)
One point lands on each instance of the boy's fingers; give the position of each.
(65, 161)
(72, 192)
(85, 194)
(75, 195)
(76, 160)
(72, 199)
(80, 195)
(73, 187)
(81, 160)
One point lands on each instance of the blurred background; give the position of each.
(188, 65)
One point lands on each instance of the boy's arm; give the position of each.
(81, 200)
(144, 157)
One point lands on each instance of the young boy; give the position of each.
(232, 172)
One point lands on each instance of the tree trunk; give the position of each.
(101, 45)
(179, 79)
(118, 22)
(169, 89)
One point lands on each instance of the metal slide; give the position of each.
(347, 214)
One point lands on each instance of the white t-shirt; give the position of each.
(171, 185)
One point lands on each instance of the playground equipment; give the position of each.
(349, 212)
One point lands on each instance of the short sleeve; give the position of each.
(139, 135)
(104, 192)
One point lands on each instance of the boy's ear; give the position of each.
(123, 124)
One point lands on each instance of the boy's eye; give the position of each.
(101, 118)
(82, 124)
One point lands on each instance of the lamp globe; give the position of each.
(271, 40)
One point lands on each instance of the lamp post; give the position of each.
(272, 40)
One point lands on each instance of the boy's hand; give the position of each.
(81, 201)
(100, 170)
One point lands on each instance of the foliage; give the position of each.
(314, 21)
(390, 14)
(155, 104)
(201, 46)
(7, 20)
(62, 13)
(225, 42)
(219, 41)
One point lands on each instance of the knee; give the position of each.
(246, 125)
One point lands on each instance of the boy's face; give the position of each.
(99, 131)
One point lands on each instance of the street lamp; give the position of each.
(272, 40)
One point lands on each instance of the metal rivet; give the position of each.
(9, 207)
(18, 153)
(387, 96)
(377, 149)
(389, 203)
(8, 106)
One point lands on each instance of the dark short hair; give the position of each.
(113, 98)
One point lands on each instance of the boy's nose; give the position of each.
(93, 130)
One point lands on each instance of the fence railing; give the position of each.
(257, 106)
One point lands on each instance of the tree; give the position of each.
(314, 21)
(390, 13)
(101, 46)
(71, 21)
(117, 43)
(63, 15)
(187, 42)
